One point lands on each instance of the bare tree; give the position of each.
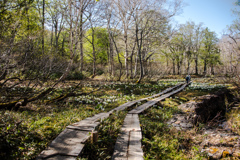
(147, 17)
(94, 11)
(111, 26)
(124, 11)
(73, 15)
(57, 22)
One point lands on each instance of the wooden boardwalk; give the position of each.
(131, 103)
(69, 143)
(128, 145)
(156, 100)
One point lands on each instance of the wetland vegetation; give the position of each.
(62, 61)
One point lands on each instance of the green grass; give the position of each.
(108, 132)
(25, 133)
(160, 141)
(35, 129)
(163, 142)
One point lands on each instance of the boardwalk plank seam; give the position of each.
(135, 151)
(129, 139)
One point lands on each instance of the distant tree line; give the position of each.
(53, 38)
(42, 40)
(230, 46)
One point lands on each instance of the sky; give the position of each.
(214, 14)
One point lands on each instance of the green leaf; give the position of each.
(21, 148)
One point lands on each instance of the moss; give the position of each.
(184, 99)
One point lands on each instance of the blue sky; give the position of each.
(214, 14)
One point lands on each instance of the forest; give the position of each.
(126, 40)
(62, 61)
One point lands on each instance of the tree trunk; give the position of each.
(231, 64)
(16, 104)
(111, 60)
(174, 71)
(64, 75)
(51, 43)
(167, 61)
(205, 67)
(196, 65)
(119, 60)
(212, 69)
(139, 42)
(178, 67)
(126, 53)
(188, 67)
(81, 40)
(94, 61)
(131, 61)
(144, 61)
(43, 21)
(141, 66)
(131, 67)
(56, 35)
(63, 42)
(110, 39)
(136, 66)
(144, 67)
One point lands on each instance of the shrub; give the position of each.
(75, 75)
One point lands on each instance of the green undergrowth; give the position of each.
(26, 132)
(160, 141)
(233, 120)
(233, 112)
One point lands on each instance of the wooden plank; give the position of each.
(61, 157)
(166, 90)
(84, 127)
(90, 123)
(143, 107)
(128, 104)
(125, 105)
(131, 103)
(97, 117)
(131, 123)
(121, 146)
(154, 101)
(69, 143)
(135, 151)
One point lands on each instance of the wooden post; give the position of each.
(94, 136)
